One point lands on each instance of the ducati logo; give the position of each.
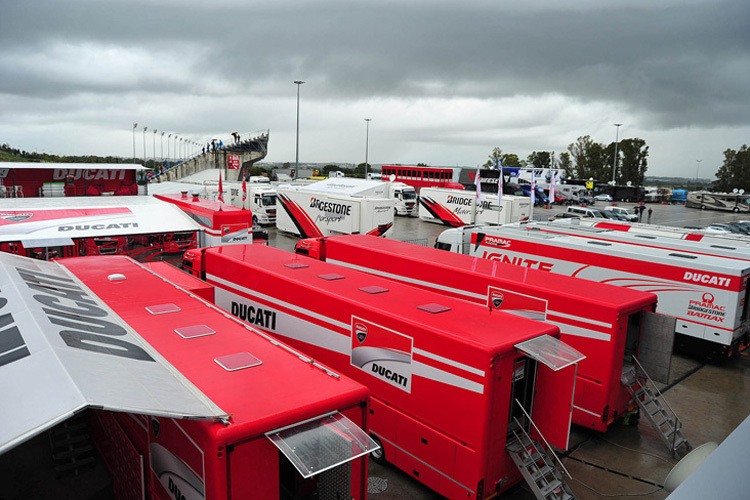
(361, 331)
(156, 426)
(497, 299)
(19, 217)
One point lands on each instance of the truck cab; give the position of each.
(405, 198)
(456, 239)
(261, 200)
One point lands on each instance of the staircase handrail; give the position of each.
(660, 396)
(549, 447)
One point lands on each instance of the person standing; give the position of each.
(650, 211)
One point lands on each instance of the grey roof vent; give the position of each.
(296, 265)
(434, 308)
(331, 276)
(237, 361)
(191, 332)
(163, 308)
(374, 289)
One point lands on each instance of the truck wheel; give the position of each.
(735, 210)
(378, 456)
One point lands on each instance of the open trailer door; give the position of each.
(322, 444)
(557, 364)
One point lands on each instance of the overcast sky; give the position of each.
(444, 82)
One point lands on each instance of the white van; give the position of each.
(629, 213)
(586, 212)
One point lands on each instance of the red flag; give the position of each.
(244, 192)
(221, 190)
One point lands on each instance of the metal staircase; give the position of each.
(656, 408)
(537, 466)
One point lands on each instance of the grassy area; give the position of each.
(7, 156)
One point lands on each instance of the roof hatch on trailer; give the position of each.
(550, 351)
(321, 443)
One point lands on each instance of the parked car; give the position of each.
(603, 197)
(720, 228)
(565, 215)
(586, 212)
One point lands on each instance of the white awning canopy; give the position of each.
(62, 350)
(47, 219)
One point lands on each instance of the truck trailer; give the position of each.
(185, 401)
(455, 207)
(678, 233)
(222, 224)
(654, 238)
(455, 386)
(607, 324)
(306, 213)
(706, 294)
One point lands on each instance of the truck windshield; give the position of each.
(409, 195)
(269, 200)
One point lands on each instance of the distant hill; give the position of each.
(9, 153)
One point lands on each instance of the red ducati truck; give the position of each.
(223, 224)
(605, 323)
(288, 428)
(455, 387)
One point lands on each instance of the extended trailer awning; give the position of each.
(319, 444)
(62, 350)
(550, 351)
(38, 219)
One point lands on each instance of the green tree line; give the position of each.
(586, 159)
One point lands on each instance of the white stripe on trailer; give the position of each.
(325, 338)
(450, 362)
(399, 277)
(570, 329)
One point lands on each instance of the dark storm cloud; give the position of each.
(680, 65)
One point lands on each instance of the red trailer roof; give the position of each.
(596, 294)
(279, 391)
(462, 321)
(198, 205)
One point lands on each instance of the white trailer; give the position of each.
(456, 207)
(706, 294)
(307, 213)
(649, 237)
(682, 233)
